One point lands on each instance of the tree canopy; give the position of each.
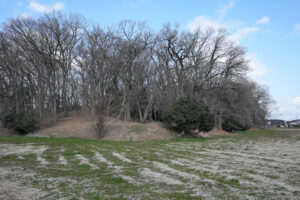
(57, 62)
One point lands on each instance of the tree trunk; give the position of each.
(53, 98)
(127, 111)
(108, 105)
(122, 107)
(53, 108)
(64, 96)
(140, 112)
(146, 112)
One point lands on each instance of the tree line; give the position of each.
(58, 62)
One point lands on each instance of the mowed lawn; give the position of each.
(251, 165)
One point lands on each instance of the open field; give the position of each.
(251, 165)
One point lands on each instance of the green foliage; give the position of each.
(230, 124)
(21, 123)
(187, 115)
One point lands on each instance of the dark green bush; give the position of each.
(21, 123)
(230, 124)
(189, 114)
(9, 120)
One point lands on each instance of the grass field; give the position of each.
(252, 165)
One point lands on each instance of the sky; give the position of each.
(268, 29)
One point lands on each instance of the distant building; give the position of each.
(276, 123)
(294, 123)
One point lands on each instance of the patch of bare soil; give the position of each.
(214, 131)
(81, 125)
(7, 132)
(254, 128)
(75, 125)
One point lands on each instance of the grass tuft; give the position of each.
(138, 128)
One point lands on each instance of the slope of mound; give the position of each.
(7, 132)
(213, 132)
(80, 125)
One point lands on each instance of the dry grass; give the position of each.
(7, 132)
(215, 131)
(251, 165)
(80, 125)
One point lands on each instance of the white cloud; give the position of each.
(237, 33)
(257, 68)
(263, 20)
(33, 5)
(25, 16)
(223, 9)
(297, 27)
(296, 101)
(243, 33)
(286, 108)
(205, 22)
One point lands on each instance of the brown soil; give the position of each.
(254, 128)
(81, 125)
(75, 125)
(7, 132)
(214, 131)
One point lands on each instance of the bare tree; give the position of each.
(57, 62)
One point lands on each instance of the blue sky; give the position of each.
(268, 29)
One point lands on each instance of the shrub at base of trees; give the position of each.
(189, 114)
(231, 125)
(21, 123)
